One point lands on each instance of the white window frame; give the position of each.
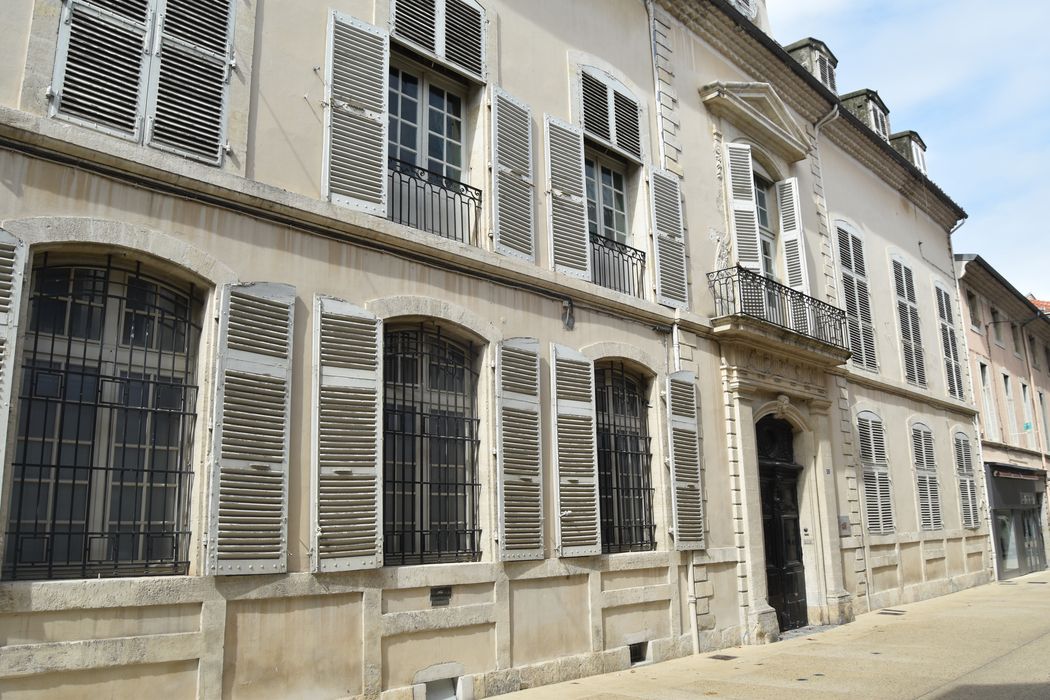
(880, 121)
(429, 79)
(990, 418)
(625, 171)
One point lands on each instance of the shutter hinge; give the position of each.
(231, 65)
(226, 148)
(50, 93)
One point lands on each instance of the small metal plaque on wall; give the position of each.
(844, 527)
(440, 596)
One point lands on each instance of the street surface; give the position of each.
(987, 642)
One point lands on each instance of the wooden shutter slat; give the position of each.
(248, 516)
(570, 242)
(743, 217)
(519, 449)
(575, 452)
(356, 135)
(347, 437)
(687, 497)
(464, 37)
(513, 185)
(672, 285)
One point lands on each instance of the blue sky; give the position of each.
(973, 78)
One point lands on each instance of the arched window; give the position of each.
(625, 490)
(926, 481)
(878, 495)
(430, 446)
(101, 471)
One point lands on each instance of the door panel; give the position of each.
(785, 572)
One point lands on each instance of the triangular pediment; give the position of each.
(757, 110)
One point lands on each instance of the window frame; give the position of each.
(111, 359)
(603, 161)
(876, 466)
(973, 305)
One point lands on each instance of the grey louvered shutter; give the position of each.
(13, 257)
(464, 23)
(792, 234)
(672, 287)
(575, 452)
(356, 138)
(248, 523)
(190, 74)
(926, 478)
(857, 300)
(416, 20)
(513, 184)
(967, 486)
(743, 216)
(570, 242)
(519, 450)
(687, 497)
(102, 65)
(347, 437)
(877, 495)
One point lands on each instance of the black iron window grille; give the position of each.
(431, 202)
(430, 444)
(625, 491)
(741, 292)
(617, 266)
(101, 470)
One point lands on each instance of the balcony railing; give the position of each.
(617, 266)
(433, 203)
(741, 292)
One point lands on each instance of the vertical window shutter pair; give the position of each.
(949, 344)
(926, 478)
(575, 452)
(570, 242)
(448, 29)
(248, 514)
(356, 135)
(857, 300)
(908, 314)
(519, 449)
(187, 111)
(513, 185)
(118, 61)
(669, 240)
(686, 459)
(967, 485)
(347, 437)
(13, 259)
(609, 114)
(743, 217)
(878, 499)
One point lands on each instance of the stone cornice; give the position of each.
(906, 392)
(736, 38)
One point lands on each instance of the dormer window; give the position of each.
(880, 123)
(909, 145)
(817, 58)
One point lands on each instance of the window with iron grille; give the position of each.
(625, 490)
(101, 472)
(430, 445)
(152, 71)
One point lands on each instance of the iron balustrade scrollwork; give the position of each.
(741, 292)
(431, 202)
(617, 266)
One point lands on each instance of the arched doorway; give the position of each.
(778, 476)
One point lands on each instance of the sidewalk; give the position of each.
(986, 642)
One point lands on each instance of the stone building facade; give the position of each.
(396, 347)
(1008, 336)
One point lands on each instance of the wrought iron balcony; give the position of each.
(433, 203)
(617, 266)
(741, 292)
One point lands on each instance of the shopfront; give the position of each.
(1016, 497)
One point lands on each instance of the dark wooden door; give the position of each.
(785, 574)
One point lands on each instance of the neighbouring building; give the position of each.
(1008, 335)
(448, 347)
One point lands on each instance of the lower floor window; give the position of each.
(430, 443)
(625, 490)
(107, 393)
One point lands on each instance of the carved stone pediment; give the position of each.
(757, 110)
(756, 370)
